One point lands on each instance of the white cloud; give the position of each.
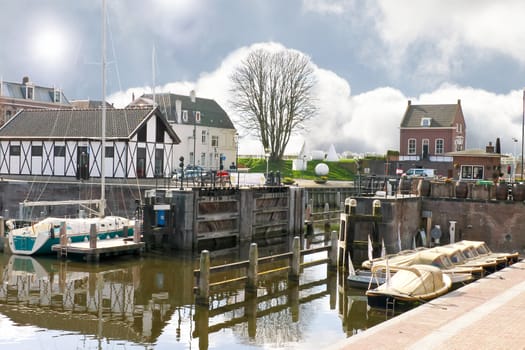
(367, 122)
(434, 34)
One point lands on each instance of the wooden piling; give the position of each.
(136, 232)
(63, 234)
(253, 269)
(296, 260)
(93, 236)
(204, 279)
(332, 254)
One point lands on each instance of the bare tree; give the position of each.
(271, 94)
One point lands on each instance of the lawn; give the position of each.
(343, 170)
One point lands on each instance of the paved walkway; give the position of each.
(486, 314)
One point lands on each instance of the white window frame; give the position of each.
(414, 146)
(185, 115)
(204, 134)
(57, 96)
(470, 172)
(426, 122)
(440, 150)
(30, 92)
(198, 117)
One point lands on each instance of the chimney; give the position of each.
(132, 96)
(25, 80)
(459, 102)
(489, 148)
(409, 102)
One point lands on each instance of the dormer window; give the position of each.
(425, 122)
(30, 92)
(198, 117)
(57, 96)
(185, 115)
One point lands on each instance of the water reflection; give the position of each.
(149, 302)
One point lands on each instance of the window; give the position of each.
(471, 172)
(459, 128)
(198, 117)
(440, 146)
(411, 146)
(14, 150)
(185, 115)
(60, 151)
(215, 141)
(192, 161)
(203, 158)
(36, 151)
(459, 143)
(109, 152)
(57, 96)
(30, 92)
(203, 136)
(425, 122)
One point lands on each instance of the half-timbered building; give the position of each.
(139, 143)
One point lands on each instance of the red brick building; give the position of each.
(428, 132)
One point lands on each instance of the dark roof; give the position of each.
(79, 123)
(212, 114)
(441, 115)
(40, 93)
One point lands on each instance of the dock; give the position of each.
(485, 314)
(104, 247)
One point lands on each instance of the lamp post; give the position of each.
(192, 98)
(515, 139)
(237, 156)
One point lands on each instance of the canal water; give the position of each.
(148, 303)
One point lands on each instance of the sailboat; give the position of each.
(38, 238)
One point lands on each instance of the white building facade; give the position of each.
(215, 144)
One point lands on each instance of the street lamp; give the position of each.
(237, 156)
(515, 139)
(192, 98)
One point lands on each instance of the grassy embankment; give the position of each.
(343, 170)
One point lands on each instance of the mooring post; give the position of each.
(296, 259)
(63, 235)
(204, 279)
(136, 232)
(327, 222)
(93, 236)
(253, 269)
(332, 254)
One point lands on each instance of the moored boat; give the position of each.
(39, 237)
(409, 286)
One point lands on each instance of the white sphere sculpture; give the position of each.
(321, 169)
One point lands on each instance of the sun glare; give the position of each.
(50, 45)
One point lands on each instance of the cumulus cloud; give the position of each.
(364, 123)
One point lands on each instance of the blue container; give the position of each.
(161, 218)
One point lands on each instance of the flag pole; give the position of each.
(522, 133)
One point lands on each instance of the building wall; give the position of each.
(426, 133)
(226, 147)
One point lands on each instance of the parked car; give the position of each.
(193, 172)
(420, 172)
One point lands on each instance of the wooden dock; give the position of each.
(104, 248)
(486, 314)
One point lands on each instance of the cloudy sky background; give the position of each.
(370, 57)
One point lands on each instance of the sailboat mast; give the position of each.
(102, 205)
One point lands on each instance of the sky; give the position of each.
(369, 57)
